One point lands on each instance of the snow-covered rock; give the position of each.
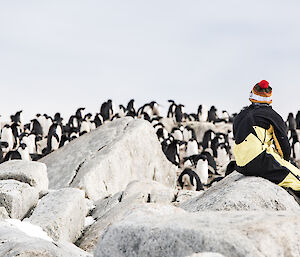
(200, 128)
(61, 214)
(105, 160)
(151, 191)
(30, 172)
(17, 198)
(15, 242)
(238, 192)
(163, 230)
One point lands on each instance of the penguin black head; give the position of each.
(23, 145)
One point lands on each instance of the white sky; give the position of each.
(59, 55)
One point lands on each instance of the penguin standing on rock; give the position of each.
(189, 180)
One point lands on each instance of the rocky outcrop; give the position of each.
(17, 198)
(32, 173)
(105, 160)
(16, 243)
(161, 230)
(61, 214)
(151, 191)
(106, 213)
(238, 192)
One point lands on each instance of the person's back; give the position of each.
(261, 145)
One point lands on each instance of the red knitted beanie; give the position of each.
(261, 93)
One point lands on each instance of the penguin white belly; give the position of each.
(24, 154)
(222, 158)
(85, 127)
(178, 135)
(54, 143)
(7, 136)
(30, 144)
(297, 151)
(192, 148)
(202, 171)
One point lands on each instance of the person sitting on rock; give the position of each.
(261, 144)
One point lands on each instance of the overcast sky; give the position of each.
(62, 54)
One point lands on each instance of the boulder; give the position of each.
(61, 214)
(184, 195)
(206, 254)
(16, 243)
(107, 212)
(32, 173)
(163, 230)
(105, 160)
(238, 192)
(151, 191)
(3, 213)
(17, 198)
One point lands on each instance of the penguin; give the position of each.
(106, 110)
(231, 167)
(177, 134)
(179, 113)
(155, 108)
(202, 113)
(36, 127)
(98, 120)
(122, 111)
(202, 169)
(130, 108)
(291, 122)
(54, 137)
(24, 152)
(212, 114)
(212, 165)
(12, 155)
(298, 120)
(7, 136)
(162, 134)
(16, 130)
(191, 148)
(2, 145)
(189, 180)
(171, 151)
(29, 140)
(225, 116)
(222, 155)
(207, 138)
(171, 110)
(17, 117)
(188, 133)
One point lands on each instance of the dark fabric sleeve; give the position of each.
(280, 130)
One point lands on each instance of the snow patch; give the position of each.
(29, 229)
(89, 220)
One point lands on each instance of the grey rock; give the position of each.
(61, 214)
(105, 160)
(238, 192)
(16, 243)
(206, 254)
(105, 204)
(3, 213)
(114, 210)
(163, 230)
(184, 195)
(151, 191)
(17, 198)
(30, 172)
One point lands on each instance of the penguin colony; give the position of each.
(200, 163)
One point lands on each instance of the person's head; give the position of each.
(261, 93)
